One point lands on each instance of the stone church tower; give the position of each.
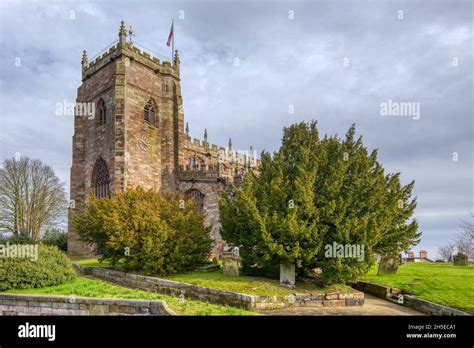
(137, 137)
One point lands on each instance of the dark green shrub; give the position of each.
(12, 239)
(145, 231)
(52, 267)
(55, 237)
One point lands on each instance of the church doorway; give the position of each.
(198, 198)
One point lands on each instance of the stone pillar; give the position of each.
(287, 274)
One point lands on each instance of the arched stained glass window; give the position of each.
(101, 179)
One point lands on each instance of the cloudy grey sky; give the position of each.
(334, 61)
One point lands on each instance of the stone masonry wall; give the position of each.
(143, 161)
(91, 141)
(62, 305)
(399, 296)
(223, 297)
(211, 192)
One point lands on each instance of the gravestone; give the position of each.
(287, 274)
(230, 263)
(460, 259)
(388, 264)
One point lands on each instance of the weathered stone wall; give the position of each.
(223, 297)
(62, 305)
(211, 193)
(90, 142)
(381, 291)
(400, 297)
(430, 307)
(143, 163)
(152, 165)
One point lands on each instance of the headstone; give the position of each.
(460, 259)
(236, 252)
(287, 274)
(388, 264)
(230, 263)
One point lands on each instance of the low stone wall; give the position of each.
(430, 307)
(223, 297)
(12, 304)
(393, 294)
(374, 289)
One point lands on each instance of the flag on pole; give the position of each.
(171, 36)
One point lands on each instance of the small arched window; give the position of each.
(102, 112)
(101, 179)
(149, 113)
(198, 198)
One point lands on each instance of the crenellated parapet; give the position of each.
(219, 154)
(122, 48)
(199, 173)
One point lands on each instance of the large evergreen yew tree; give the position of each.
(311, 193)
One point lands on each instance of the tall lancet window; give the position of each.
(101, 179)
(149, 113)
(102, 112)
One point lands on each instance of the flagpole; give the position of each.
(172, 43)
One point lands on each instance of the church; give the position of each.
(138, 137)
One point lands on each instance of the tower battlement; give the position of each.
(202, 145)
(121, 48)
(223, 154)
(204, 173)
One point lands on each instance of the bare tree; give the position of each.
(446, 252)
(464, 240)
(31, 197)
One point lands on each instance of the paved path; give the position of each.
(372, 306)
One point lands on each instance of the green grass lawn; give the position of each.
(445, 284)
(91, 262)
(249, 285)
(82, 287)
(241, 284)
